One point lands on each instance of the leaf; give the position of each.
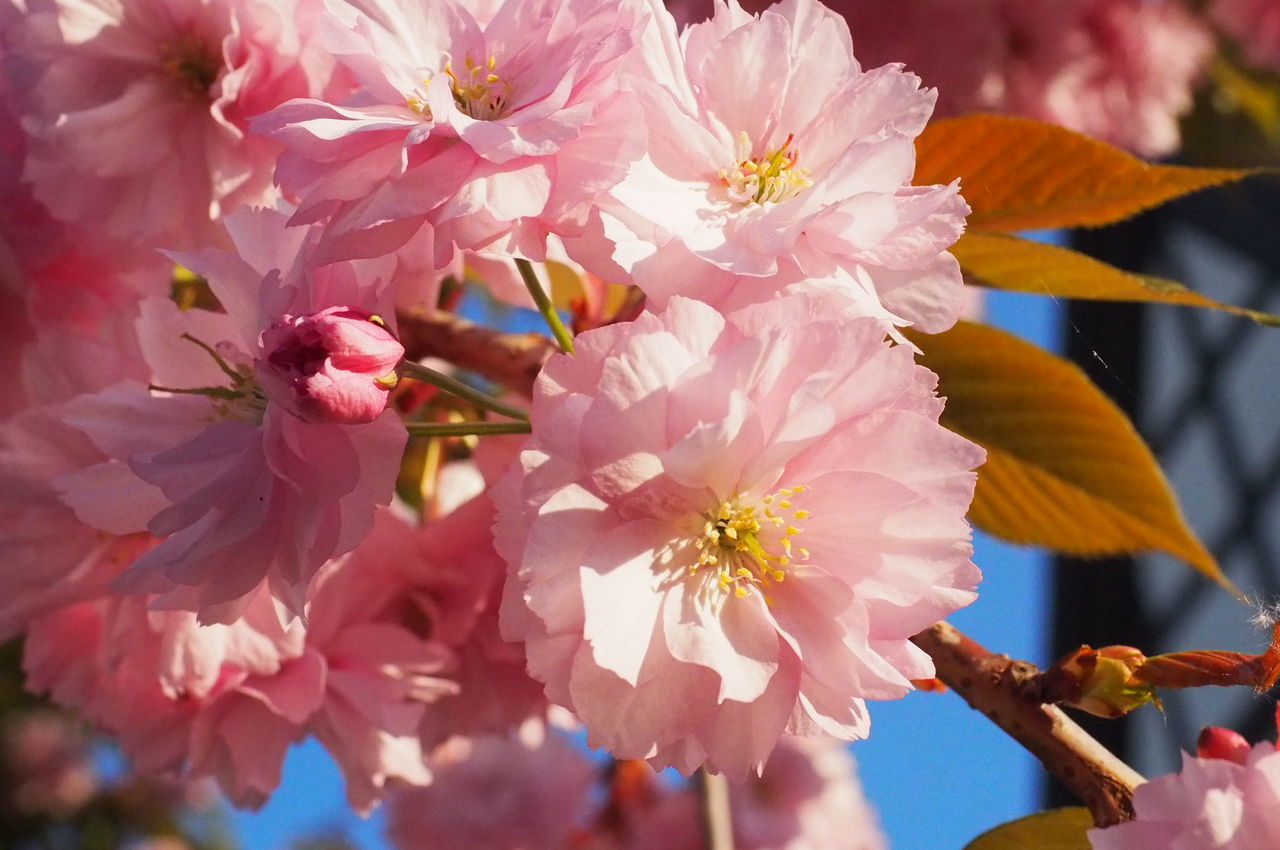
(1058, 829)
(1198, 668)
(1019, 174)
(1254, 94)
(1021, 265)
(1065, 467)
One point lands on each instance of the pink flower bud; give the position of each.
(336, 365)
(1218, 743)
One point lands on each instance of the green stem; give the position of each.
(409, 369)
(465, 429)
(545, 307)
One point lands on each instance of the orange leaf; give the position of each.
(1065, 468)
(1010, 262)
(1019, 174)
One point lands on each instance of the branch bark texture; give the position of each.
(1007, 691)
(512, 360)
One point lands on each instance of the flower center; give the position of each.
(770, 178)
(480, 91)
(745, 546)
(192, 64)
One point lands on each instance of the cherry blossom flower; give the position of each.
(495, 793)
(407, 627)
(458, 582)
(1212, 802)
(183, 700)
(83, 344)
(491, 135)
(48, 768)
(381, 648)
(1255, 24)
(807, 798)
(252, 490)
(383, 661)
(538, 793)
(1119, 70)
(144, 108)
(775, 159)
(723, 529)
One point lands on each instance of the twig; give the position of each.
(419, 372)
(512, 360)
(717, 817)
(545, 307)
(1006, 691)
(464, 429)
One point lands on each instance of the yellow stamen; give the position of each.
(743, 554)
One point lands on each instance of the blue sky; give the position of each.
(938, 772)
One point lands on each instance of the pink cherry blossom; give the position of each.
(48, 767)
(493, 793)
(450, 585)
(724, 529)
(252, 491)
(1255, 25)
(807, 798)
(183, 700)
(144, 108)
(490, 135)
(774, 159)
(1211, 802)
(384, 664)
(1120, 70)
(83, 344)
(226, 701)
(539, 793)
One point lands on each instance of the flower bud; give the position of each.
(1099, 681)
(1218, 743)
(337, 365)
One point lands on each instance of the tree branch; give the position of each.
(1007, 692)
(512, 360)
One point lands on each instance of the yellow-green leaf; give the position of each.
(1065, 467)
(1019, 174)
(1010, 262)
(1059, 829)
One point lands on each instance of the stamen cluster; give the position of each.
(747, 554)
(767, 179)
(480, 92)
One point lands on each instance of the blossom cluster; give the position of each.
(233, 516)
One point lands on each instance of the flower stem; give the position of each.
(545, 307)
(717, 817)
(409, 369)
(465, 429)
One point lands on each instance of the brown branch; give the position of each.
(512, 360)
(1007, 692)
